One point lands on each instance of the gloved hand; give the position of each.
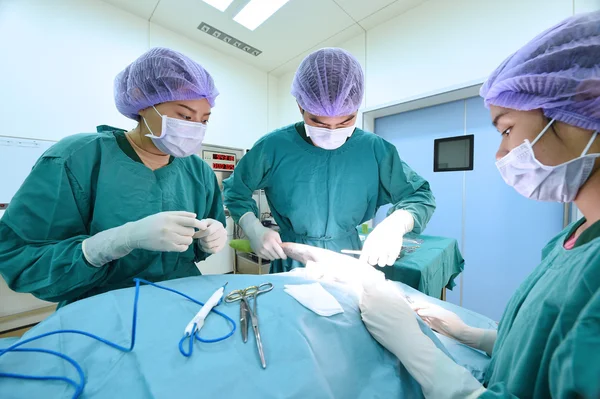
(323, 264)
(212, 236)
(392, 323)
(164, 232)
(441, 320)
(449, 324)
(351, 272)
(384, 244)
(265, 243)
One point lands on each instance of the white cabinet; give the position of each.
(18, 310)
(12, 302)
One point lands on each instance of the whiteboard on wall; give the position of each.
(17, 157)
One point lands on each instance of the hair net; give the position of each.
(329, 82)
(558, 72)
(158, 76)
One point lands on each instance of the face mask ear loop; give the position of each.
(542, 133)
(587, 148)
(150, 130)
(147, 126)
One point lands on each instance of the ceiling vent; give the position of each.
(217, 34)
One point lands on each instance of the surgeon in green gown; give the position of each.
(99, 209)
(545, 102)
(323, 176)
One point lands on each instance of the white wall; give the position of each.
(580, 6)
(287, 110)
(60, 57)
(273, 110)
(59, 60)
(442, 44)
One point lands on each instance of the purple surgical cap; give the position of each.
(557, 72)
(159, 76)
(329, 82)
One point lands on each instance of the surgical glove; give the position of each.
(441, 320)
(393, 324)
(212, 236)
(449, 324)
(265, 243)
(351, 272)
(163, 232)
(384, 244)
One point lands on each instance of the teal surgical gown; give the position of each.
(318, 196)
(86, 184)
(548, 343)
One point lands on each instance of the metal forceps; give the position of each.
(245, 311)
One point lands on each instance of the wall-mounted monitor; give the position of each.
(453, 154)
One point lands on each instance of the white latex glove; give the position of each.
(384, 244)
(449, 324)
(164, 232)
(212, 236)
(392, 323)
(351, 272)
(441, 320)
(265, 243)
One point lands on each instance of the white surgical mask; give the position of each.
(561, 183)
(328, 139)
(179, 138)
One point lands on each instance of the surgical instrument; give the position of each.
(246, 310)
(198, 321)
(408, 250)
(411, 241)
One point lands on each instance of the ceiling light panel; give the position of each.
(220, 5)
(258, 11)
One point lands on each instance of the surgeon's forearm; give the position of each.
(479, 338)
(106, 246)
(404, 219)
(238, 189)
(421, 204)
(238, 199)
(249, 222)
(392, 323)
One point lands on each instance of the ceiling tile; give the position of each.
(360, 9)
(393, 10)
(334, 41)
(299, 27)
(295, 28)
(141, 8)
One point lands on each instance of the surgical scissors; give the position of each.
(245, 311)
